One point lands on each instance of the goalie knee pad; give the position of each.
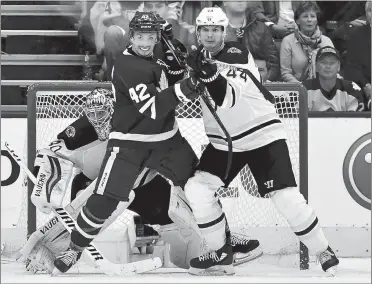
(53, 177)
(301, 217)
(200, 191)
(181, 213)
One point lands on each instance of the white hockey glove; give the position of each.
(52, 179)
(41, 249)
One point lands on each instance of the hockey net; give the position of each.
(55, 108)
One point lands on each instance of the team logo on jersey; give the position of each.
(162, 63)
(70, 131)
(163, 82)
(234, 50)
(357, 171)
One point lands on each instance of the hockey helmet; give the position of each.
(144, 22)
(212, 16)
(99, 108)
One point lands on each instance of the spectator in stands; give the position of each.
(263, 69)
(255, 35)
(326, 92)
(88, 24)
(171, 12)
(298, 49)
(116, 19)
(358, 58)
(278, 15)
(339, 19)
(191, 9)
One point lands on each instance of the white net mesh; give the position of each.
(246, 211)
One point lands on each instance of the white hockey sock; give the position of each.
(200, 191)
(302, 219)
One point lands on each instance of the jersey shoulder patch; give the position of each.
(234, 53)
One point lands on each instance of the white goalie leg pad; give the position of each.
(44, 245)
(301, 217)
(181, 214)
(182, 249)
(52, 236)
(200, 191)
(52, 181)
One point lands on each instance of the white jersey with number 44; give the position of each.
(248, 116)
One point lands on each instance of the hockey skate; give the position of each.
(329, 261)
(66, 260)
(244, 249)
(213, 262)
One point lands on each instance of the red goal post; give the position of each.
(52, 106)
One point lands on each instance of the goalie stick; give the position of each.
(205, 97)
(91, 251)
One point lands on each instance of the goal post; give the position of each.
(52, 106)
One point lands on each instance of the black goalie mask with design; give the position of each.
(98, 109)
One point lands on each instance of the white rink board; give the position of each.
(350, 271)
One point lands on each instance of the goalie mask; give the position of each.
(98, 109)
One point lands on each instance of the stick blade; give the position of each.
(142, 266)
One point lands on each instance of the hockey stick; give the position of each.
(91, 251)
(205, 97)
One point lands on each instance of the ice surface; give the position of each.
(349, 271)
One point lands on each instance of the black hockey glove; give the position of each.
(207, 72)
(166, 28)
(189, 89)
(174, 68)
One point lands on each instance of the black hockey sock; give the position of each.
(90, 220)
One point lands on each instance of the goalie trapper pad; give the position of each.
(52, 180)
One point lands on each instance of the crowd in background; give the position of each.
(326, 45)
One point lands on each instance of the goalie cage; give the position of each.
(51, 107)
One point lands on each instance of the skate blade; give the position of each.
(218, 270)
(332, 270)
(55, 272)
(240, 258)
